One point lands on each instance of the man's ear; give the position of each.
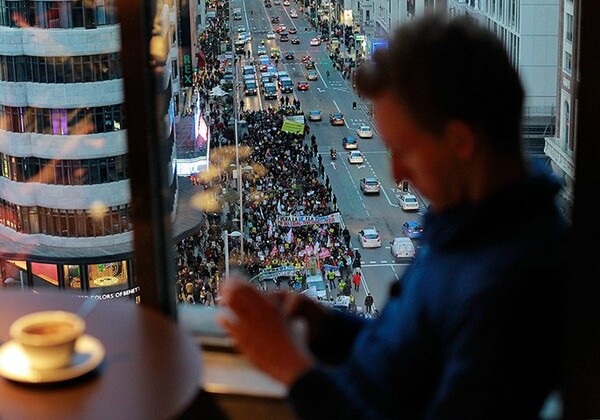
(462, 138)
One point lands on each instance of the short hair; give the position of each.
(450, 69)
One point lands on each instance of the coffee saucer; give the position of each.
(89, 353)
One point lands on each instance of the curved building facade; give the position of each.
(64, 175)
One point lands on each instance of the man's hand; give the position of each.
(261, 330)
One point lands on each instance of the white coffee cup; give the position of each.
(48, 338)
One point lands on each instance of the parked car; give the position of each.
(293, 13)
(337, 118)
(369, 238)
(302, 85)
(315, 42)
(408, 202)
(370, 185)
(286, 2)
(315, 115)
(403, 248)
(364, 132)
(412, 229)
(350, 143)
(354, 156)
(312, 75)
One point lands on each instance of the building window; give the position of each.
(62, 121)
(58, 14)
(65, 223)
(567, 121)
(107, 274)
(569, 28)
(568, 62)
(65, 171)
(74, 69)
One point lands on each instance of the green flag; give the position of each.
(292, 127)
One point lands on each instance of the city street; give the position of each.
(334, 94)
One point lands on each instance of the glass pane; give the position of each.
(243, 186)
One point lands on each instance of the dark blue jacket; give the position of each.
(473, 334)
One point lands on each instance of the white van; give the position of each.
(403, 248)
(316, 287)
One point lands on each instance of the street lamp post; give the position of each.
(330, 18)
(236, 104)
(226, 236)
(237, 165)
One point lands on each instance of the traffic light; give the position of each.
(404, 186)
(353, 105)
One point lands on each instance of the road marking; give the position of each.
(376, 264)
(320, 90)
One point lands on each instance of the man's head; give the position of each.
(444, 91)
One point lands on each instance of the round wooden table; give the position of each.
(151, 369)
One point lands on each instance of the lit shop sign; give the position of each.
(378, 45)
(113, 295)
(187, 70)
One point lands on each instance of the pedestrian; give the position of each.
(341, 286)
(478, 322)
(331, 279)
(356, 279)
(347, 288)
(315, 150)
(334, 201)
(346, 236)
(369, 303)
